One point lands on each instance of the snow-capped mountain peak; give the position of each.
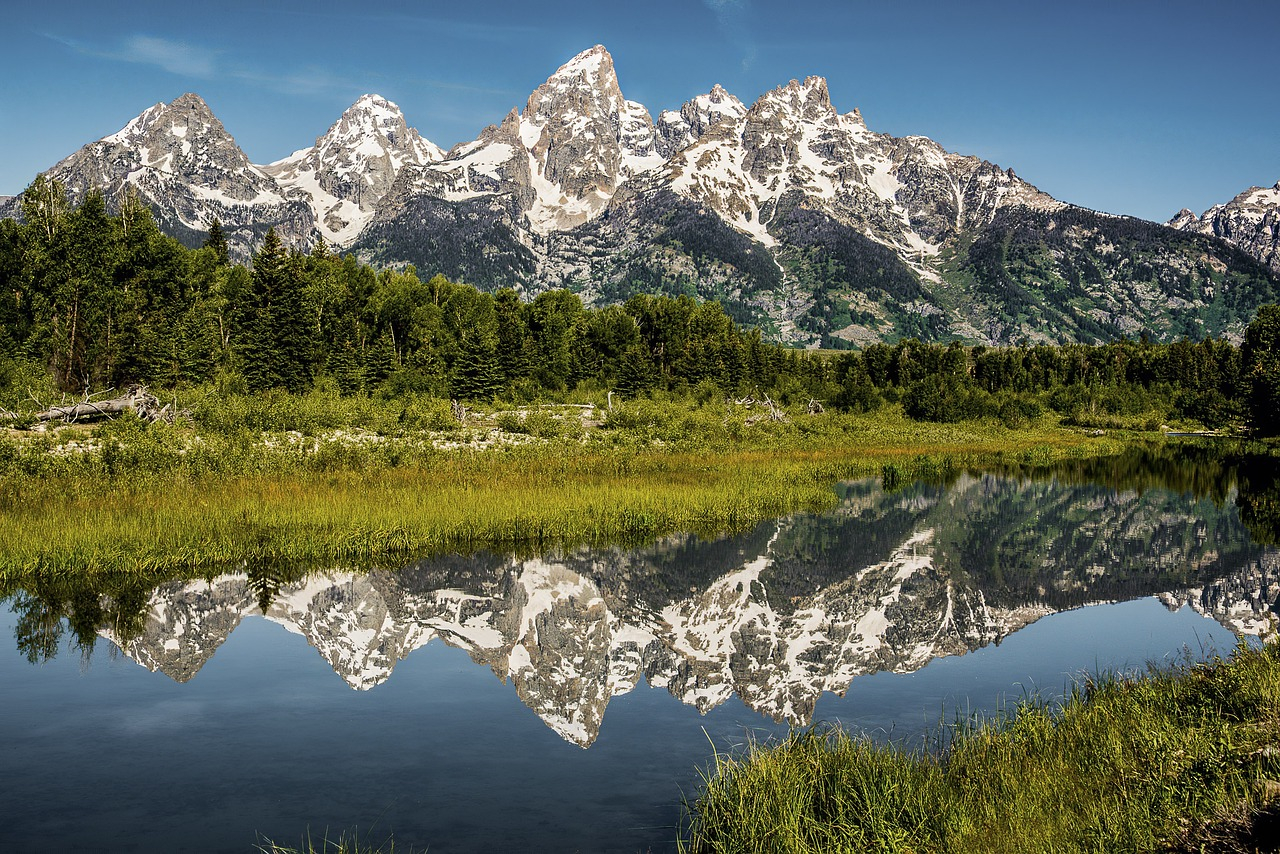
(583, 139)
(680, 129)
(1251, 221)
(353, 165)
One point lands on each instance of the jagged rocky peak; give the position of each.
(188, 112)
(585, 139)
(352, 166)
(1183, 219)
(678, 130)
(1250, 221)
(809, 101)
(183, 138)
(374, 126)
(586, 85)
(777, 129)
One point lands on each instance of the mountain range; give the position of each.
(798, 218)
(776, 617)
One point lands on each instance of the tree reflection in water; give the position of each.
(887, 581)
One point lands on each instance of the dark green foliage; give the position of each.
(95, 299)
(476, 373)
(275, 349)
(1063, 272)
(941, 398)
(1260, 357)
(637, 373)
(217, 242)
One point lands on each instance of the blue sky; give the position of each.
(1129, 106)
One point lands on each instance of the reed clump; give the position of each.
(344, 843)
(1186, 758)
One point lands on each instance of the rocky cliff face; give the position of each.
(1250, 221)
(347, 172)
(183, 164)
(776, 618)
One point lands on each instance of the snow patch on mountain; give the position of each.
(348, 170)
(1250, 221)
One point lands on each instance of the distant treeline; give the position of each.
(95, 299)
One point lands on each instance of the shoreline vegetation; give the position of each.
(128, 498)
(1179, 759)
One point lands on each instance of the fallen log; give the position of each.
(137, 400)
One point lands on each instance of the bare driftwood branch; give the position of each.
(137, 400)
(775, 414)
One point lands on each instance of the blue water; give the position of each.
(266, 739)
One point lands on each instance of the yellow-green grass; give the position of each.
(363, 506)
(1171, 761)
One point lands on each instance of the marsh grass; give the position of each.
(1159, 762)
(344, 843)
(157, 500)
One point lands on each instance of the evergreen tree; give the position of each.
(637, 373)
(514, 359)
(217, 241)
(1260, 357)
(476, 372)
(380, 360)
(276, 346)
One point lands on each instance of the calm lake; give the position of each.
(566, 702)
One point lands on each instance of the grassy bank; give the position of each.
(1181, 759)
(155, 500)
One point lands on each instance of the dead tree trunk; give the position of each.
(137, 400)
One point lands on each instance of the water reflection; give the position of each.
(799, 607)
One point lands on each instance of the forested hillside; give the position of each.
(93, 300)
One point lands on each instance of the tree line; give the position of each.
(101, 299)
(97, 299)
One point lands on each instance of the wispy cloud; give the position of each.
(173, 56)
(731, 15)
(302, 81)
(206, 63)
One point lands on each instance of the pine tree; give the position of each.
(276, 349)
(514, 359)
(379, 360)
(637, 373)
(476, 373)
(217, 241)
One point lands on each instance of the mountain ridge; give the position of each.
(800, 218)
(1250, 221)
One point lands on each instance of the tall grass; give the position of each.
(344, 843)
(1172, 760)
(156, 500)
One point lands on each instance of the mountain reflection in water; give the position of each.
(887, 581)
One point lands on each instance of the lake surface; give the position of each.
(566, 702)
